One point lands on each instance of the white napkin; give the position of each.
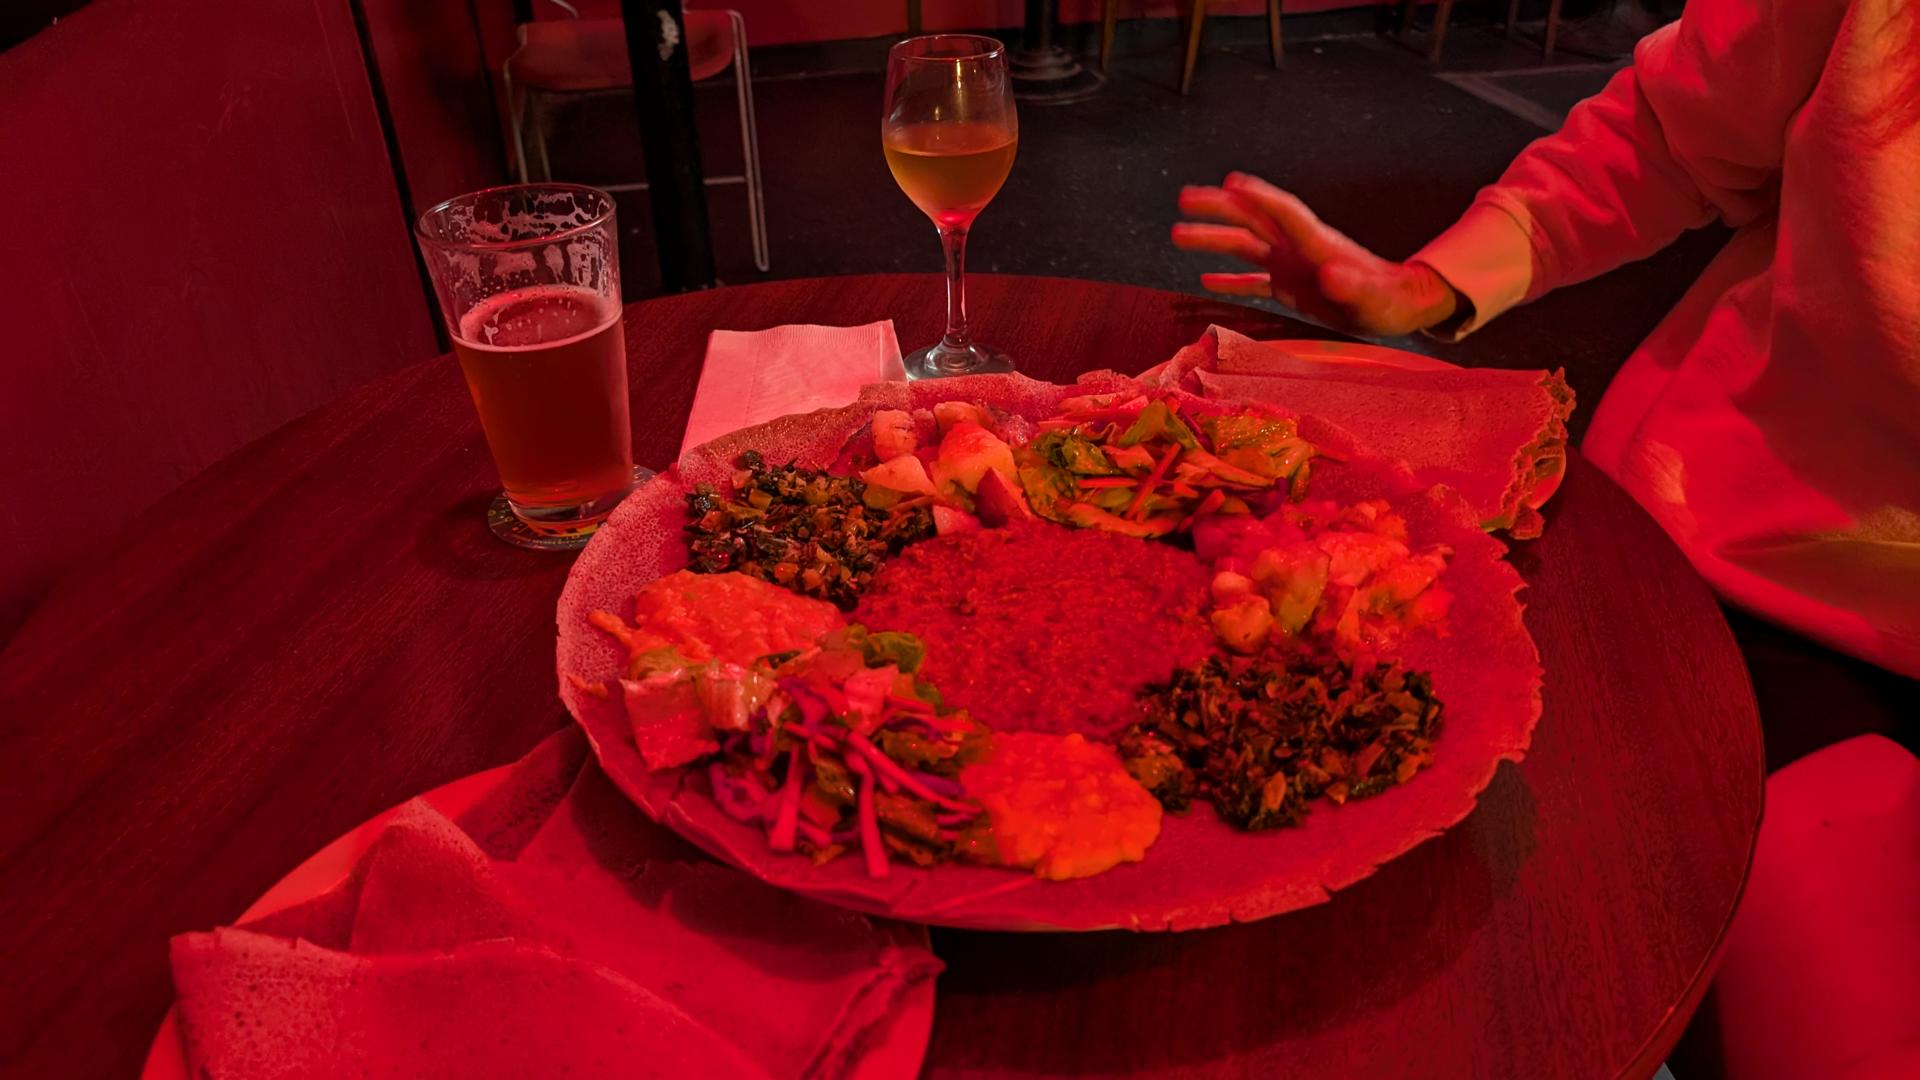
(752, 376)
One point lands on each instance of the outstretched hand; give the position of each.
(1306, 264)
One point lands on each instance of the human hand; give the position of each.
(1309, 266)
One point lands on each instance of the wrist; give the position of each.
(1441, 305)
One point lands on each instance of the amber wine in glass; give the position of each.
(949, 133)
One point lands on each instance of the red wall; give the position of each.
(440, 95)
(203, 241)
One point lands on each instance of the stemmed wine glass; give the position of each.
(949, 132)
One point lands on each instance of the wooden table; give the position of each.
(320, 626)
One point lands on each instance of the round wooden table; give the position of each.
(321, 626)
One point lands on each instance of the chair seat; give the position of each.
(578, 55)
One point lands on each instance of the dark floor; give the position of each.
(1356, 124)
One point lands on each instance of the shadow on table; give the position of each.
(1239, 992)
(456, 542)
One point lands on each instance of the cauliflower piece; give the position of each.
(904, 474)
(967, 452)
(1228, 586)
(1243, 625)
(894, 434)
(948, 520)
(949, 413)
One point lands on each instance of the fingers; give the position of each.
(1237, 284)
(1222, 240)
(1313, 239)
(1216, 204)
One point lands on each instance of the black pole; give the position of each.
(1043, 72)
(663, 91)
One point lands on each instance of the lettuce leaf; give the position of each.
(1158, 421)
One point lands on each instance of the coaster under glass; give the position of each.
(509, 526)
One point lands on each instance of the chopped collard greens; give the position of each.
(806, 529)
(1259, 739)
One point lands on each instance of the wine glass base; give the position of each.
(551, 536)
(941, 361)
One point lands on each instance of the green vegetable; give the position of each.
(1260, 740)
(1158, 421)
(656, 661)
(913, 750)
(902, 650)
(1088, 516)
(833, 780)
(813, 532)
(1046, 484)
(1077, 455)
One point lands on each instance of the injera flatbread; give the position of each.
(1498, 437)
(1201, 872)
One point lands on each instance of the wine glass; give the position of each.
(949, 132)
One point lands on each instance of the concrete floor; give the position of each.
(1358, 125)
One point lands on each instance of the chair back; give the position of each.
(203, 241)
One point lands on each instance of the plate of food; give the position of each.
(1002, 654)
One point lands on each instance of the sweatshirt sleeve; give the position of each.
(1694, 130)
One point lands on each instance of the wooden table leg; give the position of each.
(1442, 14)
(1194, 24)
(1273, 30)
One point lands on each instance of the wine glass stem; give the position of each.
(953, 239)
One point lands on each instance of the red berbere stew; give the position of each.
(1045, 628)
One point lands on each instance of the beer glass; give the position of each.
(528, 279)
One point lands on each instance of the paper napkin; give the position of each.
(752, 376)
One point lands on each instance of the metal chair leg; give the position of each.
(515, 106)
(1194, 26)
(1553, 30)
(1108, 18)
(750, 145)
(1273, 30)
(1406, 20)
(1513, 17)
(537, 120)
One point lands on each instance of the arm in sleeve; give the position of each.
(1694, 130)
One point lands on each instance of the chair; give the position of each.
(1111, 14)
(1443, 13)
(584, 57)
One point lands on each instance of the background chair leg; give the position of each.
(1406, 20)
(1194, 25)
(913, 18)
(1273, 30)
(515, 107)
(750, 145)
(1553, 30)
(1108, 18)
(537, 120)
(1442, 14)
(1513, 16)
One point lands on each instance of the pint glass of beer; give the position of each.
(528, 278)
